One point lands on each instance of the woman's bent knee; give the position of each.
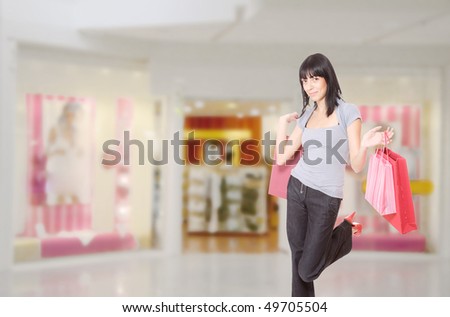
(307, 275)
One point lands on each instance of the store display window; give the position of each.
(62, 158)
(231, 196)
(378, 233)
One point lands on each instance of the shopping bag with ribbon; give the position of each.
(280, 174)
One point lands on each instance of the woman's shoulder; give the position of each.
(348, 112)
(346, 106)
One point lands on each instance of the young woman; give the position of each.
(329, 131)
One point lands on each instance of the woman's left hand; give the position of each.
(375, 137)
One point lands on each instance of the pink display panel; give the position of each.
(124, 114)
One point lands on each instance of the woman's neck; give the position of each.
(321, 107)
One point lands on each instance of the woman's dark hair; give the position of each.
(319, 65)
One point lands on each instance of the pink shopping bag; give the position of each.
(380, 184)
(280, 174)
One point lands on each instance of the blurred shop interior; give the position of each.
(80, 88)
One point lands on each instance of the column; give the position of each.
(171, 179)
(444, 248)
(7, 133)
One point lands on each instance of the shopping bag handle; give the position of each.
(384, 149)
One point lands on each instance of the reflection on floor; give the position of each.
(225, 243)
(226, 274)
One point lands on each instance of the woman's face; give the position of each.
(315, 87)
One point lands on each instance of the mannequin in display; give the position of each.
(67, 161)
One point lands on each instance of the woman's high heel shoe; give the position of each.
(356, 227)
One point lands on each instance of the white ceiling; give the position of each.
(259, 41)
(322, 22)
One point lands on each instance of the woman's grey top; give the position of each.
(325, 151)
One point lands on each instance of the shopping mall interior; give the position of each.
(135, 141)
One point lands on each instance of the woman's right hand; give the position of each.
(288, 118)
(375, 137)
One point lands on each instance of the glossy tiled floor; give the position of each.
(226, 274)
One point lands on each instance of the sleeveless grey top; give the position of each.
(325, 151)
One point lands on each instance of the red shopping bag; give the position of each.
(380, 184)
(280, 174)
(404, 220)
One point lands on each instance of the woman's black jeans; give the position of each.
(314, 241)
